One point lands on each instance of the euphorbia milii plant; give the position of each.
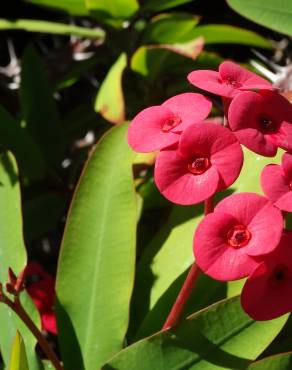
(241, 236)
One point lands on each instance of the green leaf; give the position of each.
(13, 254)
(113, 12)
(39, 110)
(158, 5)
(74, 7)
(97, 258)
(170, 28)
(18, 140)
(18, 360)
(269, 13)
(282, 361)
(225, 34)
(167, 256)
(219, 337)
(156, 60)
(31, 25)
(110, 99)
(249, 179)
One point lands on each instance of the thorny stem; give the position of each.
(19, 310)
(189, 284)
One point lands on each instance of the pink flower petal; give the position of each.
(261, 218)
(190, 107)
(177, 184)
(266, 230)
(214, 255)
(219, 144)
(145, 131)
(267, 293)
(287, 165)
(211, 81)
(274, 183)
(284, 136)
(266, 112)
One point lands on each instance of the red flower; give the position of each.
(267, 293)
(277, 183)
(242, 226)
(159, 126)
(229, 81)
(208, 159)
(262, 121)
(41, 288)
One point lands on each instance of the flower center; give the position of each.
(266, 124)
(199, 165)
(170, 123)
(279, 275)
(231, 82)
(238, 236)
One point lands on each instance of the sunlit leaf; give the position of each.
(110, 99)
(97, 259)
(13, 254)
(226, 34)
(18, 360)
(74, 7)
(269, 13)
(32, 25)
(221, 336)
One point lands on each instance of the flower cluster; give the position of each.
(244, 236)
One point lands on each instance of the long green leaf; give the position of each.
(158, 5)
(170, 28)
(96, 266)
(13, 254)
(74, 7)
(32, 25)
(110, 99)
(18, 360)
(167, 256)
(226, 34)
(219, 337)
(282, 361)
(113, 13)
(276, 15)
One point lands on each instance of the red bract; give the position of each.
(267, 293)
(242, 226)
(159, 126)
(209, 158)
(262, 121)
(228, 81)
(41, 288)
(277, 183)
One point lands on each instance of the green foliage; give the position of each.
(18, 360)
(96, 266)
(113, 12)
(110, 100)
(50, 27)
(218, 337)
(269, 13)
(282, 361)
(74, 7)
(225, 34)
(13, 254)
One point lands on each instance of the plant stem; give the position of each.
(188, 286)
(182, 298)
(19, 310)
